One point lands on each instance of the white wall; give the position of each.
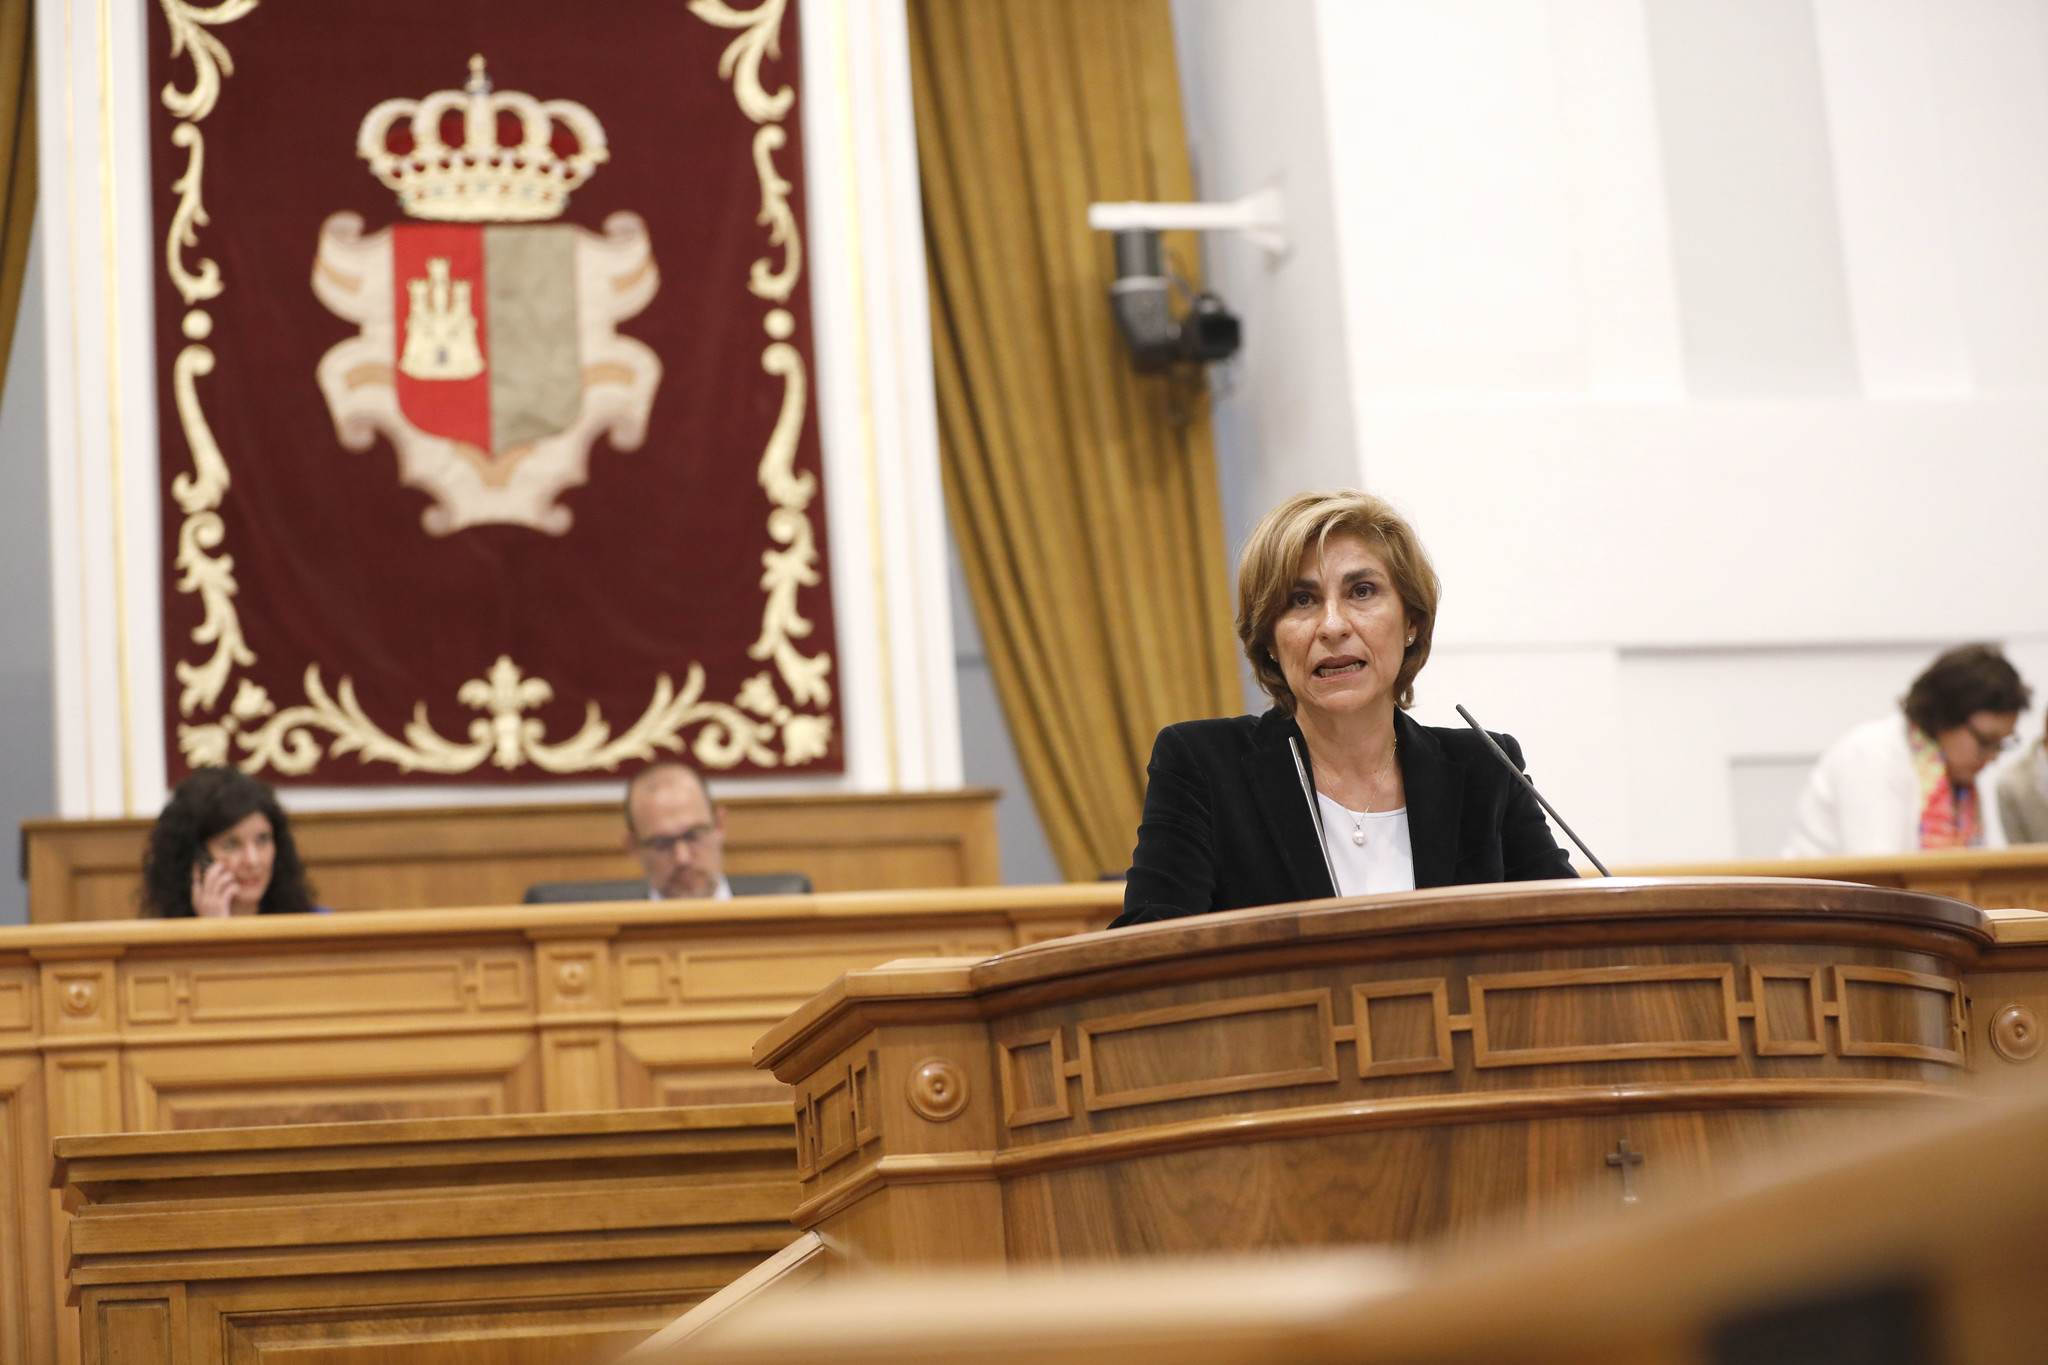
(1706, 342)
(1255, 119)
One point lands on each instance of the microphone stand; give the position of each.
(1523, 777)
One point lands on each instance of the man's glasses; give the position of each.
(695, 837)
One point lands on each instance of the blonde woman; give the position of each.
(1334, 791)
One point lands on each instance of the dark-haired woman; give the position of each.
(223, 847)
(1909, 782)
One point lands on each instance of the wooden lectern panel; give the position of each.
(1907, 1248)
(533, 1239)
(1383, 1069)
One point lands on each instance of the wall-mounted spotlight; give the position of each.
(1142, 295)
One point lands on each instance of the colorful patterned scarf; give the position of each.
(1948, 813)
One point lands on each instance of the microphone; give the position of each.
(1523, 777)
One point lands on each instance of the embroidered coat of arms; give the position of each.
(488, 354)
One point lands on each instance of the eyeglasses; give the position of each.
(696, 837)
(1993, 744)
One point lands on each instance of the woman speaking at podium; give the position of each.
(1334, 791)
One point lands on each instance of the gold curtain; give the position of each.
(17, 160)
(1083, 497)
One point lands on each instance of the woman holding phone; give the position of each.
(223, 847)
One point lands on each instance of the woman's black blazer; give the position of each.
(1227, 825)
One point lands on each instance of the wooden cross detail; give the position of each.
(1624, 1160)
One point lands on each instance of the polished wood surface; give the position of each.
(1941, 1228)
(154, 1025)
(527, 1238)
(791, 1270)
(1989, 878)
(1382, 1069)
(488, 855)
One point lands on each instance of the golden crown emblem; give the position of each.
(483, 179)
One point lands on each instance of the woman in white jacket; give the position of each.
(1908, 782)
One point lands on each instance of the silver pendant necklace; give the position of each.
(1357, 820)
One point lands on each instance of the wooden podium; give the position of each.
(1361, 1071)
(1919, 1244)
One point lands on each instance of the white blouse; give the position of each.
(1369, 850)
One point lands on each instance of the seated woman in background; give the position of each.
(1908, 782)
(223, 847)
(1335, 791)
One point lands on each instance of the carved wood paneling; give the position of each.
(82, 1092)
(17, 1001)
(1789, 1011)
(832, 1121)
(1887, 1012)
(1221, 1047)
(298, 989)
(1402, 1028)
(140, 1322)
(1506, 1043)
(1032, 1071)
(24, 1215)
(507, 1239)
(329, 1080)
(192, 1025)
(698, 1062)
(1603, 1014)
(1546, 1018)
(601, 1327)
(579, 1070)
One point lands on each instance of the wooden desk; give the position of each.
(1947, 1222)
(1384, 1069)
(153, 1025)
(488, 855)
(530, 1238)
(1990, 879)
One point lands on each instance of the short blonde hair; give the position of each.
(1272, 558)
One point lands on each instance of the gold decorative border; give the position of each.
(285, 739)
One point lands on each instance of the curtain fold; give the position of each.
(1083, 497)
(17, 160)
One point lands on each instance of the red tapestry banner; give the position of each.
(484, 357)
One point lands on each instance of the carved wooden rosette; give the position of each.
(1385, 1070)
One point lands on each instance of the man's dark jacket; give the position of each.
(1227, 824)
